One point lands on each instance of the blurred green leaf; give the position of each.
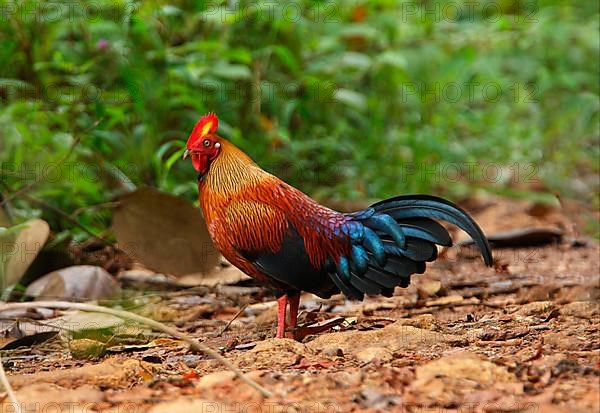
(351, 98)
(338, 101)
(231, 72)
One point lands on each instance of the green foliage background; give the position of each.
(344, 99)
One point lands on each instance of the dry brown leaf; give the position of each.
(164, 232)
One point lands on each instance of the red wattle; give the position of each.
(200, 163)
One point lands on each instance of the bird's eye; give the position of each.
(206, 143)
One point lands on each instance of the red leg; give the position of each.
(281, 307)
(294, 303)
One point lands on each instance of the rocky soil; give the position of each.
(521, 337)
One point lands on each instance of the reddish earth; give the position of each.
(522, 337)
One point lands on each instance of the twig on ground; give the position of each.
(425, 310)
(9, 390)
(194, 344)
(232, 320)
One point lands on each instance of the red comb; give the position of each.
(205, 125)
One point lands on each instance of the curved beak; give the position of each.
(186, 154)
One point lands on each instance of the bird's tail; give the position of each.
(394, 238)
(427, 206)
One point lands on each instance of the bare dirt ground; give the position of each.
(522, 337)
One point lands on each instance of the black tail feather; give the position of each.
(426, 206)
(404, 230)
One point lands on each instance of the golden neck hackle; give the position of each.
(231, 172)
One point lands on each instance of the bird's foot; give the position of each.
(281, 309)
(294, 300)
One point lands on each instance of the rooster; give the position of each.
(287, 241)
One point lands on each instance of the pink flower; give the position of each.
(102, 44)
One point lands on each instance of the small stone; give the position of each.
(191, 360)
(581, 309)
(578, 293)
(565, 341)
(536, 308)
(394, 337)
(75, 283)
(273, 352)
(213, 379)
(542, 292)
(374, 353)
(333, 351)
(255, 374)
(429, 288)
(449, 380)
(424, 321)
